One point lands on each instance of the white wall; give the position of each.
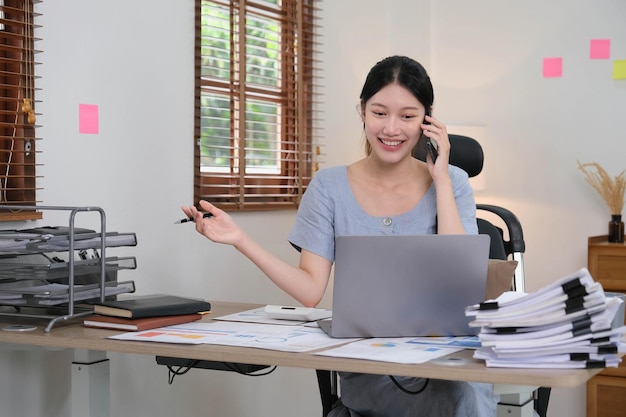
(134, 59)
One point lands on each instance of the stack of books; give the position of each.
(567, 324)
(147, 312)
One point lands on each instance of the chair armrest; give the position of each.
(514, 227)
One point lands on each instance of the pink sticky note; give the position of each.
(600, 49)
(552, 67)
(88, 118)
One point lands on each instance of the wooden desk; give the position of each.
(91, 346)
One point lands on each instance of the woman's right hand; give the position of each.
(305, 283)
(219, 228)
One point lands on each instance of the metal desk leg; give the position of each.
(515, 400)
(90, 384)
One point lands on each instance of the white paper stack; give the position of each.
(566, 324)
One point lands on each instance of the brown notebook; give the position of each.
(118, 323)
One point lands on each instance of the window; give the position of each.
(255, 141)
(17, 110)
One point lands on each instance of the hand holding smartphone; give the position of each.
(430, 146)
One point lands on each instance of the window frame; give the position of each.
(242, 188)
(18, 117)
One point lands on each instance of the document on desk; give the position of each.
(263, 336)
(463, 342)
(398, 350)
(83, 239)
(54, 294)
(257, 315)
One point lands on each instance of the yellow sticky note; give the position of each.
(619, 69)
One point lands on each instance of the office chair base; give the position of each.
(507, 410)
(515, 400)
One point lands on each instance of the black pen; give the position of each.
(189, 219)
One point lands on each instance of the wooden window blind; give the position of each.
(255, 138)
(18, 115)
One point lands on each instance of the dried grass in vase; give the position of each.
(610, 189)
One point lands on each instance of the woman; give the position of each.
(387, 192)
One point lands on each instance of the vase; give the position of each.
(616, 229)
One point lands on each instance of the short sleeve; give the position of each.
(314, 227)
(464, 198)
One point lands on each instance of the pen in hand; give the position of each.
(189, 219)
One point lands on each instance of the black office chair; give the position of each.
(466, 153)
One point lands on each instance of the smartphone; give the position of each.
(431, 147)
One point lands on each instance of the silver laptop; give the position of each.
(399, 286)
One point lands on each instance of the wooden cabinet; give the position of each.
(607, 263)
(606, 392)
(606, 396)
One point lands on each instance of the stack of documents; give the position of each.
(566, 324)
(55, 294)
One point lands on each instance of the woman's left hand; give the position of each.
(438, 134)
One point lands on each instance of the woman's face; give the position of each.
(392, 119)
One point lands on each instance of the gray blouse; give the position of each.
(329, 209)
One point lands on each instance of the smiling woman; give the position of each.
(388, 192)
(416, 106)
